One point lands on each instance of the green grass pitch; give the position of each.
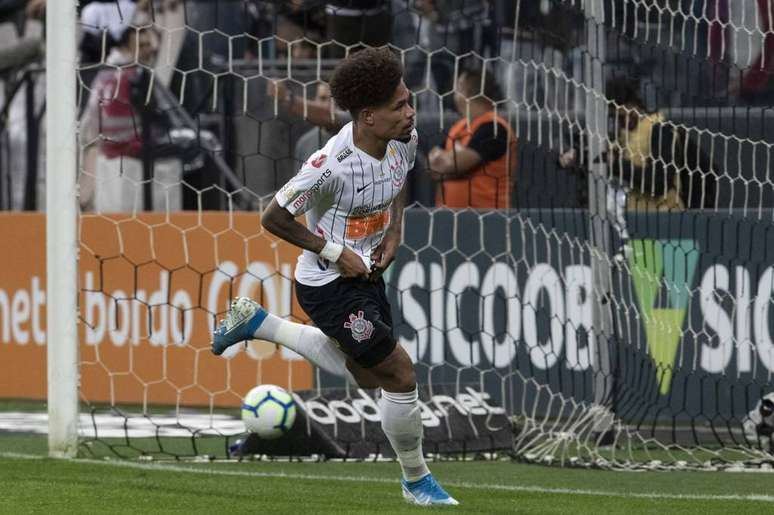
(33, 483)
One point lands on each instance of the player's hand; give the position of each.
(384, 254)
(351, 266)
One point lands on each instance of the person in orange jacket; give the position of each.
(477, 164)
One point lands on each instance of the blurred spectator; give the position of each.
(169, 16)
(301, 41)
(405, 35)
(655, 42)
(23, 51)
(450, 32)
(659, 165)
(316, 137)
(746, 35)
(213, 33)
(36, 8)
(319, 111)
(103, 22)
(653, 165)
(353, 22)
(31, 8)
(533, 46)
(121, 126)
(477, 166)
(21, 99)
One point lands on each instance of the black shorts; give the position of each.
(353, 312)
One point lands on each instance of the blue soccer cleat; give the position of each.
(426, 492)
(242, 320)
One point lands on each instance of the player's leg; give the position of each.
(401, 418)
(352, 314)
(375, 356)
(247, 320)
(395, 373)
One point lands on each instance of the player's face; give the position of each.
(395, 119)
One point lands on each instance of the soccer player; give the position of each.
(352, 192)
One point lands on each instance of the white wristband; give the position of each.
(331, 251)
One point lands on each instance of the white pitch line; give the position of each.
(360, 479)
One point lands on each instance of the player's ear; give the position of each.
(367, 116)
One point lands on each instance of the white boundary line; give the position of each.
(359, 479)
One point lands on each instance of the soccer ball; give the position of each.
(268, 411)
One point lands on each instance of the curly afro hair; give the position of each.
(367, 78)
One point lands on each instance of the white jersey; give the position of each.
(346, 195)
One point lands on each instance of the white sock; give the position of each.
(402, 423)
(308, 341)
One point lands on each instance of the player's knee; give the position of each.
(405, 380)
(399, 381)
(363, 377)
(396, 372)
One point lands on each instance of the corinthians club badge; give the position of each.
(361, 328)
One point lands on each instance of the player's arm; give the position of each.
(384, 253)
(313, 184)
(396, 211)
(280, 222)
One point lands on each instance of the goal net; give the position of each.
(614, 311)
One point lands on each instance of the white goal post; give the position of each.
(61, 227)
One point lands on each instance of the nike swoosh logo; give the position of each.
(361, 189)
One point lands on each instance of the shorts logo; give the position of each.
(361, 328)
(344, 154)
(318, 161)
